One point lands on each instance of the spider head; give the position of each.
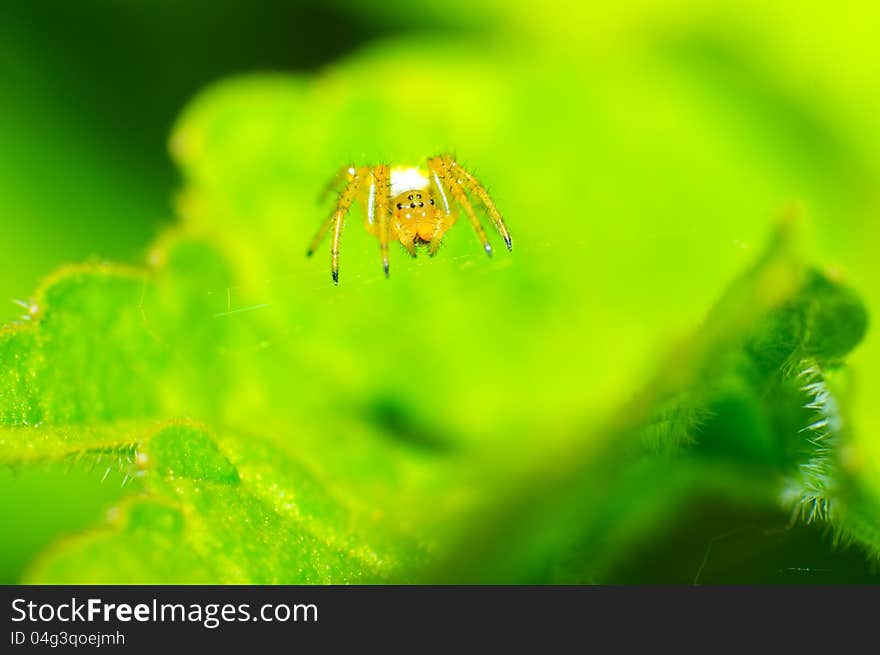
(416, 209)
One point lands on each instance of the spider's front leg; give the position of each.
(445, 220)
(407, 238)
(457, 179)
(342, 175)
(356, 177)
(380, 207)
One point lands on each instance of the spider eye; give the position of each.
(432, 201)
(418, 195)
(421, 204)
(412, 204)
(409, 197)
(399, 206)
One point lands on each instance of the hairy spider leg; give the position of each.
(474, 186)
(380, 203)
(407, 238)
(343, 174)
(441, 191)
(445, 215)
(337, 219)
(444, 222)
(346, 172)
(447, 174)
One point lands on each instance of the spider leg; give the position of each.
(407, 239)
(473, 185)
(344, 173)
(437, 179)
(319, 235)
(444, 215)
(337, 220)
(444, 172)
(444, 222)
(380, 199)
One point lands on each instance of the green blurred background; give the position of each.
(90, 91)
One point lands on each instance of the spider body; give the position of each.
(413, 208)
(409, 204)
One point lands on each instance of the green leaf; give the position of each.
(469, 419)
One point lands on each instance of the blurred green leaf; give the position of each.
(468, 419)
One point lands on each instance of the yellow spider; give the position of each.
(410, 204)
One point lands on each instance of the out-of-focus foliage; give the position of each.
(535, 417)
(90, 90)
